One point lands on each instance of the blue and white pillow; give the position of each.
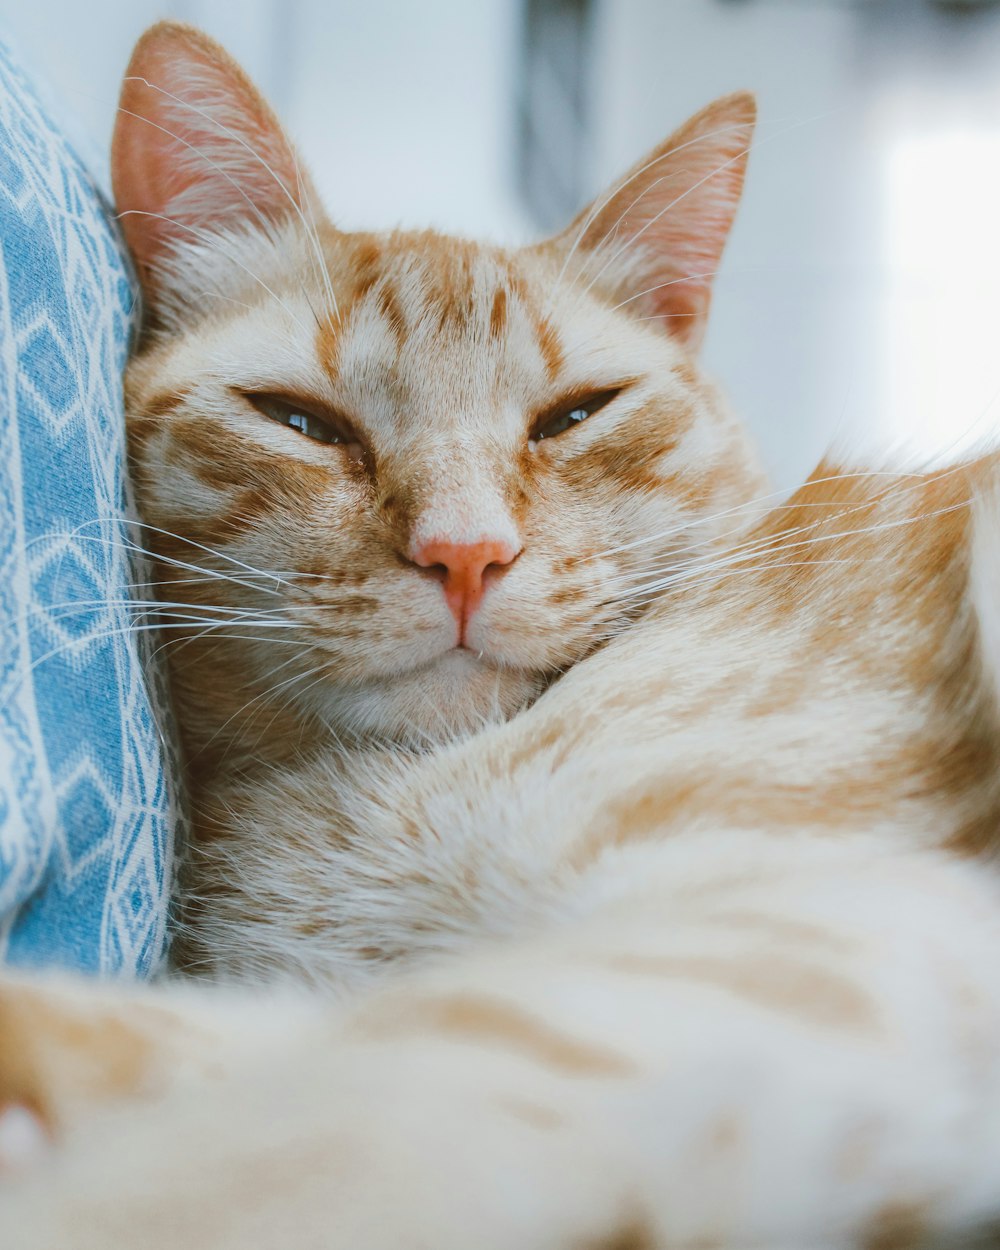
(87, 813)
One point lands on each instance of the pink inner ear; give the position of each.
(659, 237)
(690, 249)
(196, 144)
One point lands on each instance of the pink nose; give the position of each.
(464, 565)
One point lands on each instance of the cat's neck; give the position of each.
(236, 723)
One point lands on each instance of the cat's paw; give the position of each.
(24, 1139)
(69, 1049)
(26, 1115)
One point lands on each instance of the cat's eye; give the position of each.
(323, 428)
(571, 413)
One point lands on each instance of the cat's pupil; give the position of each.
(319, 428)
(561, 423)
(305, 422)
(311, 427)
(580, 411)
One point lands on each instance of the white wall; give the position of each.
(861, 290)
(81, 49)
(404, 111)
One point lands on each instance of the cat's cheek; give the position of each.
(524, 641)
(549, 612)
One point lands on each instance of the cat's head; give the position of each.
(434, 470)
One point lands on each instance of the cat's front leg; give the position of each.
(71, 1050)
(754, 1042)
(70, 1047)
(795, 1045)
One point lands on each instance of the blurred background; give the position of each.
(861, 291)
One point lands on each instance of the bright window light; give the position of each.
(940, 365)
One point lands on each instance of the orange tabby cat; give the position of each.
(441, 453)
(699, 948)
(398, 483)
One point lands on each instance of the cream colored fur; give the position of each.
(697, 950)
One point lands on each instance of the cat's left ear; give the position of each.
(654, 241)
(196, 151)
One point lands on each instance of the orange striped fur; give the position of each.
(663, 913)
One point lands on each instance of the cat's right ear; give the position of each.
(196, 150)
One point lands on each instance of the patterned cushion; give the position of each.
(86, 808)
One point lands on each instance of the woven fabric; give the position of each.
(87, 814)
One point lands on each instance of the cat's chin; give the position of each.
(455, 694)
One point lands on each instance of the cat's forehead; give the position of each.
(419, 304)
(442, 277)
(452, 324)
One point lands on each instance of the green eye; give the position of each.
(297, 417)
(571, 413)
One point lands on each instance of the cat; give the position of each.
(397, 484)
(447, 458)
(693, 946)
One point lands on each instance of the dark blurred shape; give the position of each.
(552, 107)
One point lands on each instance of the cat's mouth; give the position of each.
(463, 673)
(463, 657)
(456, 692)
(464, 648)
(464, 654)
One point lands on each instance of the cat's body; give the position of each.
(698, 956)
(696, 950)
(814, 707)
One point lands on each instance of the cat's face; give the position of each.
(432, 470)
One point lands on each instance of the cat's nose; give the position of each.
(465, 567)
